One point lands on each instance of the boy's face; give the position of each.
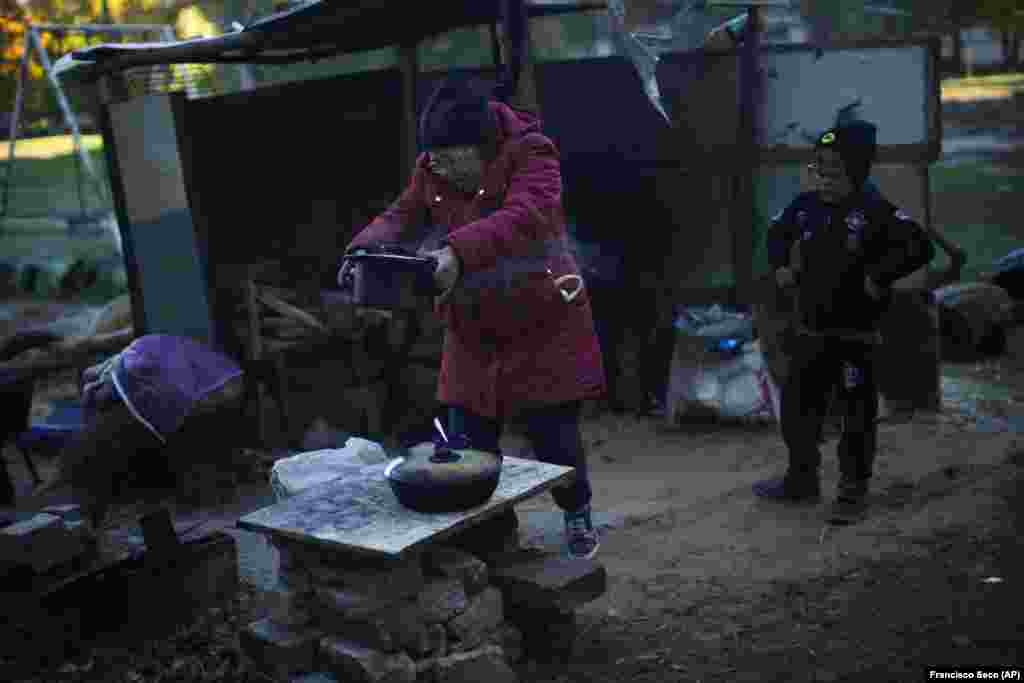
(834, 185)
(461, 166)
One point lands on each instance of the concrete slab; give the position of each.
(360, 513)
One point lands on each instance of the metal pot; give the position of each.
(449, 477)
(389, 277)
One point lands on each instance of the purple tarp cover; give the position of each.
(160, 378)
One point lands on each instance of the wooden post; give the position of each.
(495, 45)
(526, 96)
(747, 158)
(409, 64)
(252, 304)
(19, 105)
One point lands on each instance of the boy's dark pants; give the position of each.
(818, 365)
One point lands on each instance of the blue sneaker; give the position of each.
(581, 538)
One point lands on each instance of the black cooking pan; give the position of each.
(389, 277)
(444, 477)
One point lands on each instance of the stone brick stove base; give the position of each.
(447, 615)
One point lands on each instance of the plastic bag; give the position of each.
(724, 327)
(291, 476)
(673, 26)
(733, 387)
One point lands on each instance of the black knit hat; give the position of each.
(857, 145)
(457, 114)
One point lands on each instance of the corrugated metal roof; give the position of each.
(314, 30)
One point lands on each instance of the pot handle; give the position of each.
(346, 278)
(392, 465)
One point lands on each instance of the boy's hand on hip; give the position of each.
(785, 277)
(873, 290)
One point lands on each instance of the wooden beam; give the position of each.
(495, 45)
(747, 140)
(409, 64)
(102, 28)
(526, 96)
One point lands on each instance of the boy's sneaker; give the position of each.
(788, 491)
(582, 540)
(850, 505)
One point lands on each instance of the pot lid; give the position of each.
(431, 466)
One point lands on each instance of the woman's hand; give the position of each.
(448, 267)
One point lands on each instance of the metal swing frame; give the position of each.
(83, 162)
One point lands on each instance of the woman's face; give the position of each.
(462, 166)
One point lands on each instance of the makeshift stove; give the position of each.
(372, 591)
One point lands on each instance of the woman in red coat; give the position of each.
(519, 331)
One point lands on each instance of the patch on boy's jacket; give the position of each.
(853, 376)
(855, 223)
(902, 215)
(801, 224)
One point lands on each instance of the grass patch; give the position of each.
(994, 80)
(54, 247)
(985, 243)
(973, 88)
(980, 184)
(45, 176)
(53, 146)
(980, 178)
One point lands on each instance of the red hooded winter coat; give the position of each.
(512, 341)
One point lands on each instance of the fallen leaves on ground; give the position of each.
(205, 651)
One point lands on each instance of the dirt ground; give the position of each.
(707, 584)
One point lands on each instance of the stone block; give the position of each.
(442, 599)
(296, 579)
(409, 629)
(41, 542)
(452, 563)
(350, 606)
(288, 607)
(483, 664)
(510, 640)
(350, 661)
(496, 535)
(280, 651)
(385, 627)
(551, 581)
(391, 580)
(483, 615)
(437, 638)
(546, 632)
(506, 636)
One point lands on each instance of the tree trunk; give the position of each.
(1011, 41)
(958, 50)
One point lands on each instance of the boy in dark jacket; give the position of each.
(853, 245)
